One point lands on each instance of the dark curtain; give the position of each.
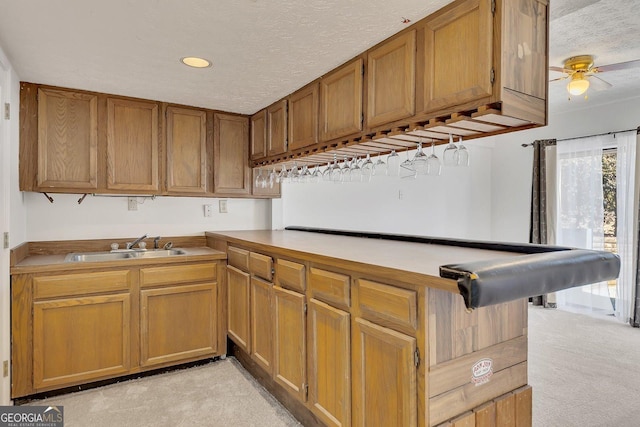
(538, 220)
(635, 320)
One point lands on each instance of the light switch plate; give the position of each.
(223, 206)
(133, 203)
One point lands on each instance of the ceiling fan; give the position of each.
(580, 69)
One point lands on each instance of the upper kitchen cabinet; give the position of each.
(231, 173)
(259, 135)
(58, 139)
(277, 128)
(391, 80)
(132, 146)
(67, 140)
(522, 74)
(186, 150)
(303, 117)
(341, 101)
(457, 61)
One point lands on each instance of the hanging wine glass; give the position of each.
(326, 175)
(420, 161)
(462, 154)
(294, 173)
(282, 175)
(336, 173)
(380, 167)
(316, 176)
(305, 174)
(449, 155)
(272, 177)
(366, 171)
(393, 164)
(356, 173)
(406, 168)
(434, 167)
(257, 182)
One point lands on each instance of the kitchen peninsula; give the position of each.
(360, 331)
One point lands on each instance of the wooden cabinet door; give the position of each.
(458, 55)
(67, 140)
(341, 101)
(186, 151)
(259, 135)
(303, 117)
(178, 323)
(289, 363)
(261, 323)
(132, 145)
(384, 376)
(329, 363)
(277, 128)
(81, 339)
(231, 154)
(391, 80)
(238, 313)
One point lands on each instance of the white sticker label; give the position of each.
(482, 371)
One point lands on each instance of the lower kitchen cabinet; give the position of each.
(384, 376)
(178, 322)
(238, 293)
(261, 329)
(290, 357)
(90, 324)
(329, 363)
(80, 339)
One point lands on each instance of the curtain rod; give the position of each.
(589, 136)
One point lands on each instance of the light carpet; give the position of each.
(585, 372)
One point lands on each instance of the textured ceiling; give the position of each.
(263, 49)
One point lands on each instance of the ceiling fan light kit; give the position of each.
(580, 69)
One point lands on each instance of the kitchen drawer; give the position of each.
(239, 258)
(388, 305)
(291, 275)
(261, 266)
(80, 284)
(330, 287)
(171, 275)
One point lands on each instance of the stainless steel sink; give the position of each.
(157, 253)
(121, 254)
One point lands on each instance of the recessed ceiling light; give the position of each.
(195, 62)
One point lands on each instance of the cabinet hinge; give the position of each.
(306, 390)
(305, 308)
(493, 75)
(7, 111)
(361, 120)
(416, 357)
(493, 7)
(362, 69)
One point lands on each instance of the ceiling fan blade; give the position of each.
(559, 69)
(599, 84)
(559, 78)
(618, 66)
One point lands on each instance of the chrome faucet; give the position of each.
(130, 245)
(156, 242)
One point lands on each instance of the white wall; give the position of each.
(455, 204)
(107, 217)
(12, 210)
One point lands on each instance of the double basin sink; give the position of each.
(122, 254)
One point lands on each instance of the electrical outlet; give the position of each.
(400, 194)
(223, 206)
(6, 240)
(133, 203)
(207, 211)
(5, 368)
